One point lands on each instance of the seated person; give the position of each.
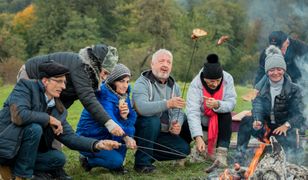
(210, 99)
(278, 106)
(31, 118)
(114, 97)
(161, 124)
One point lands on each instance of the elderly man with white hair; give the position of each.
(161, 126)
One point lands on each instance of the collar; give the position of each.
(149, 75)
(51, 102)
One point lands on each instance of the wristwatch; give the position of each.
(287, 124)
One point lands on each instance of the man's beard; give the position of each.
(160, 75)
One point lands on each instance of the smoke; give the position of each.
(288, 16)
(302, 62)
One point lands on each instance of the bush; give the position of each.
(9, 69)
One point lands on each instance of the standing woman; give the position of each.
(114, 97)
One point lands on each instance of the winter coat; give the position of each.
(25, 105)
(195, 103)
(148, 98)
(288, 106)
(295, 50)
(80, 83)
(88, 127)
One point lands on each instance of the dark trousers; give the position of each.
(246, 130)
(149, 128)
(224, 129)
(28, 159)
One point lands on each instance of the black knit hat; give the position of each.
(212, 68)
(277, 38)
(52, 69)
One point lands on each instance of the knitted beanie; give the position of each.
(118, 71)
(212, 68)
(274, 59)
(277, 38)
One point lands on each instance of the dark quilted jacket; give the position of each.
(26, 104)
(79, 84)
(288, 105)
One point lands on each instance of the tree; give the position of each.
(79, 32)
(24, 20)
(11, 45)
(52, 18)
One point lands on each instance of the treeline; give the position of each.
(138, 28)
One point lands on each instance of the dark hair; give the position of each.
(112, 84)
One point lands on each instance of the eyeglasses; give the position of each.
(212, 81)
(58, 81)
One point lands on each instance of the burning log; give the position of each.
(271, 166)
(274, 166)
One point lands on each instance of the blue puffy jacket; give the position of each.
(88, 127)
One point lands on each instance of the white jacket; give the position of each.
(195, 100)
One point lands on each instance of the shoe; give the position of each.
(84, 163)
(38, 175)
(221, 156)
(60, 174)
(144, 169)
(5, 172)
(120, 170)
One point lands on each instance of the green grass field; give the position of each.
(165, 170)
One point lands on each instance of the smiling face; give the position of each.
(162, 66)
(54, 86)
(122, 85)
(275, 74)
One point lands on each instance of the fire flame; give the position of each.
(259, 151)
(226, 175)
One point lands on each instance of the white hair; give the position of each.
(161, 51)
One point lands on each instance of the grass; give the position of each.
(165, 170)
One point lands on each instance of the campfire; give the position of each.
(272, 166)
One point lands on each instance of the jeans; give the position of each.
(28, 159)
(108, 159)
(149, 128)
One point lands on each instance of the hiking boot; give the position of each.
(144, 169)
(5, 172)
(84, 163)
(221, 156)
(120, 170)
(60, 174)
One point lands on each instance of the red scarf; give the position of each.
(213, 119)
